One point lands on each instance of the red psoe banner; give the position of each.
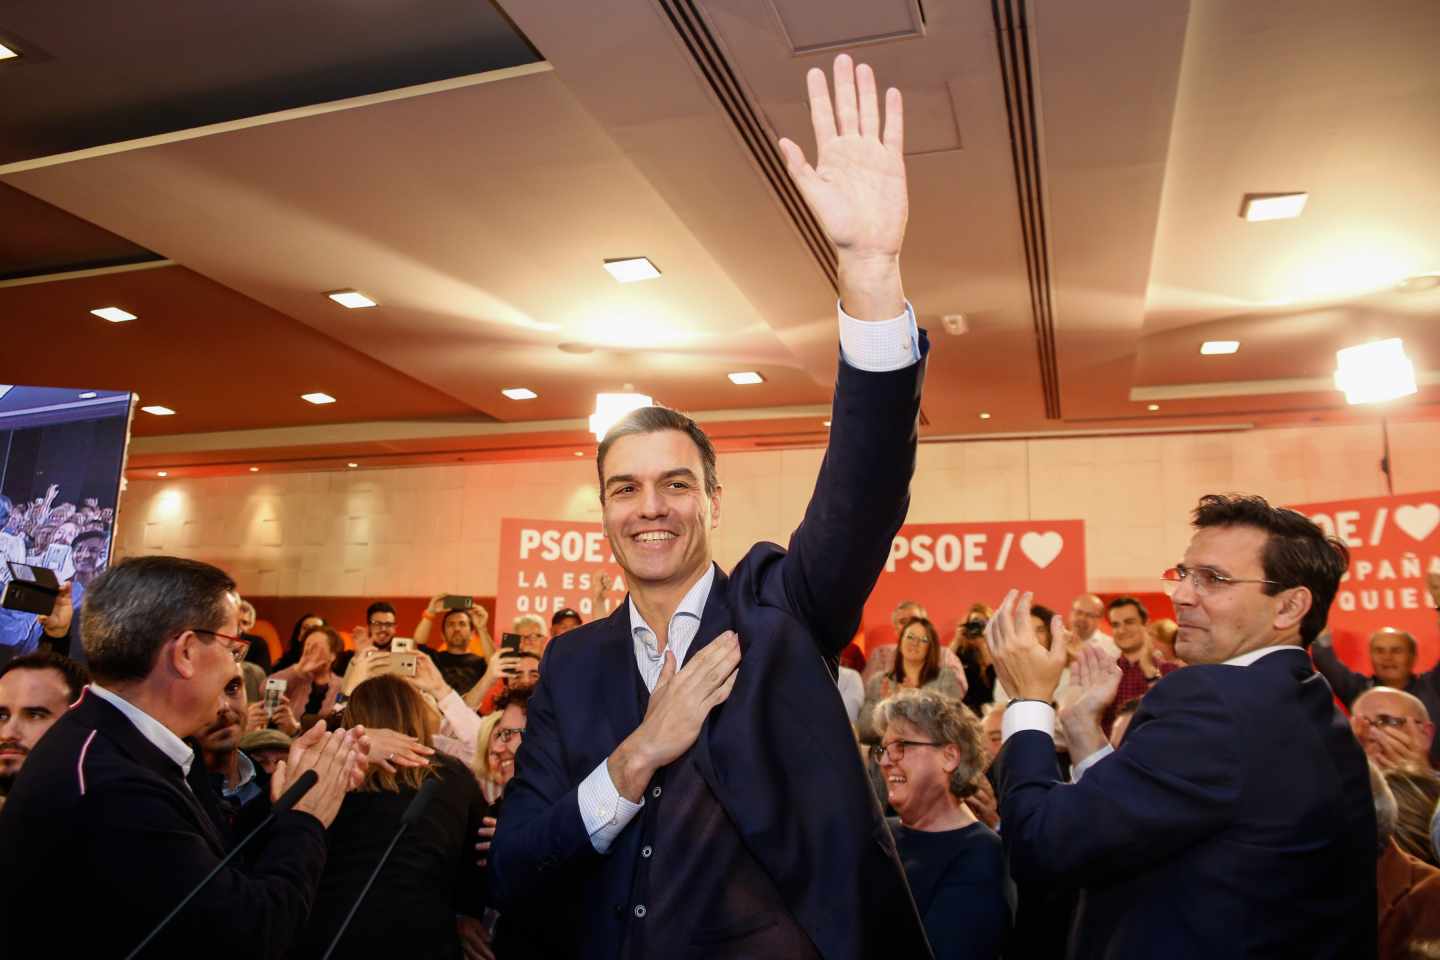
(948, 566)
(548, 565)
(1394, 542)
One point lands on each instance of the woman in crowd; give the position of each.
(933, 758)
(970, 647)
(312, 684)
(291, 654)
(917, 666)
(402, 915)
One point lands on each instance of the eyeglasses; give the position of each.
(382, 625)
(895, 749)
(1202, 580)
(1388, 720)
(238, 646)
(506, 734)
(923, 640)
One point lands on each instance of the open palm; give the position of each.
(857, 186)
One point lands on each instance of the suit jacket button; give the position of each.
(655, 792)
(639, 911)
(645, 851)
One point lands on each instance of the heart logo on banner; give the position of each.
(1042, 548)
(1418, 521)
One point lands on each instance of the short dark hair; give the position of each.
(75, 675)
(565, 613)
(379, 606)
(136, 607)
(1297, 552)
(91, 533)
(514, 697)
(1128, 602)
(653, 420)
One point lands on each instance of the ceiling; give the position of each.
(1076, 172)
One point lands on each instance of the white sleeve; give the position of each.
(602, 809)
(463, 722)
(1028, 715)
(1078, 771)
(879, 346)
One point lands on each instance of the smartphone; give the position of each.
(454, 602)
(274, 694)
(30, 589)
(403, 664)
(510, 641)
(402, 645)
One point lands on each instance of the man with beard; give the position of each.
(34, 691)
(240, 791)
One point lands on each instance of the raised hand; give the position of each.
(1025, 666)
(57, 623)
(1094, 681)
(857, 186)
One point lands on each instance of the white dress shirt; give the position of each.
(1031, 715)
(150, 728)
(878, 346)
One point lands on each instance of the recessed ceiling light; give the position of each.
(1272, 206)
(579, 453)
(352, 466)
(254, 469)
(520, 393)
(632, 269)
(984, 416)
(353, 299)
(159, 411)
(1215, 348)
(113, 314)
(162, 473)
(1375, 372)
(745, 376)
(1153, 407)
(89, 395)
(317, 398)
(6, 53)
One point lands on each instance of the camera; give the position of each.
(973, 629)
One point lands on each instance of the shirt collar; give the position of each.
(247, 774)
(1249, 657)
(691, 605)
(150, 728)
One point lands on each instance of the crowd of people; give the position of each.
(714, 770)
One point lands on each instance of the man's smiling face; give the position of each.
(657, 514)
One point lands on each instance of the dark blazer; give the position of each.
(779, 753)
(1234, 821)
(98, 805)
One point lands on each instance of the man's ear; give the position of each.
(181, 654)
(715, 507)
(952, 757)
(1294, 604)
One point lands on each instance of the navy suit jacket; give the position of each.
(100, 809)
(779, 754)
(1235, 820)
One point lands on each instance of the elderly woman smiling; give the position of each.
(932, 757)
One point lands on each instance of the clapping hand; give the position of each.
(1027, 668)
(337, 759)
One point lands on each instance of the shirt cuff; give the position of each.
(604, 812)
(1027, 715)
(1078, 771)
(879, 346)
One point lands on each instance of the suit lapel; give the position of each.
(124, 734)
(625, 701)
(714, 621)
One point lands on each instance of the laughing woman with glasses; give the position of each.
(932, 757)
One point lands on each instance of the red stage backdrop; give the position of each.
(548, 565)
(948, 566)
(1394, 542)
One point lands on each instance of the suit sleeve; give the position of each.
(859, 502)
(540, 827)
(145, 841)
(1174, 781)
(1346, 683)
